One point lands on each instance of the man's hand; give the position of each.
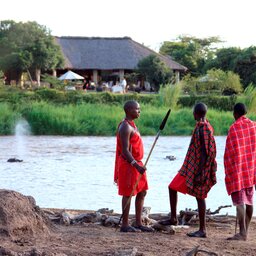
(140, 169)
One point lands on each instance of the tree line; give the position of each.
(201, 55)
(30, 47)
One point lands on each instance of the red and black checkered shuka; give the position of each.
(240, 155)
(199, 182)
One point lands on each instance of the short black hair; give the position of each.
(200, 109)
(240, 109)
(129, 104)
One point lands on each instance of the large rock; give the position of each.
(20, 217)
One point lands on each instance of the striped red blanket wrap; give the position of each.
(240, 155)
(199, 182)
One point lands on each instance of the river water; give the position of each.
(77, 172)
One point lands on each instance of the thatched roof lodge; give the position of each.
(99, 57)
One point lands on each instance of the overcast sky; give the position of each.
(150, 22)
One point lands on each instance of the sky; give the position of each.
(150, 22)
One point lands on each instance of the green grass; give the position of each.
(102, 119)
(8, 119)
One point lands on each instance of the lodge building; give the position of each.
(100, 58)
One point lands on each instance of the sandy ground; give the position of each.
(94, 239)
(26, 230)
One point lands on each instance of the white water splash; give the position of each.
(22, 129)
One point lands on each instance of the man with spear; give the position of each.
(130, 173)
(129, 168)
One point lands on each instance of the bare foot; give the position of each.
(237, 237)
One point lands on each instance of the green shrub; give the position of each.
(118, 99)
(227, 82)
(14, 95)
(8, 119)
(1, 78)
(169, 95)
(250, 98)
(225, 103)
(50, 95)
(216, 82)
(53, 81)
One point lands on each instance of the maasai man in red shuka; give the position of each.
(240, 167)
(129, 166)
(198, 172)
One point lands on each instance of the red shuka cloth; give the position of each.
(240, 155)
(199, 183)
(125, 175)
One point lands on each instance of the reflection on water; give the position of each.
(77, 172)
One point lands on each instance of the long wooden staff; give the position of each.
(138, 180)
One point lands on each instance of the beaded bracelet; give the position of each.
(133, 162)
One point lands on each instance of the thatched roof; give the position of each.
(103, 53)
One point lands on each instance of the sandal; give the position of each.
(198, 233)
(144, 228)
(129, 229)
(168, 222)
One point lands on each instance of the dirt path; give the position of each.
(26, 230)
(93, 239)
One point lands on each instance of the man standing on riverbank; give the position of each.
(240, 168)
(198, 172)
(129, 167)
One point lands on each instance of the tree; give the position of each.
(154, 71)
(240, 61)
(226, 59)
(246, 66)
(191, 52)
(27, 46)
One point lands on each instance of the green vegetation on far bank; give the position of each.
(166, 97)
(102, 119)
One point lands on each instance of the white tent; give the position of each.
(70, 76)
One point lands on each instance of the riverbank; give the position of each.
(28, 230)
(95, 239)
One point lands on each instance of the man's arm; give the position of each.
(125, 133)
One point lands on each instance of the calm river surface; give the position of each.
(77, 172)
